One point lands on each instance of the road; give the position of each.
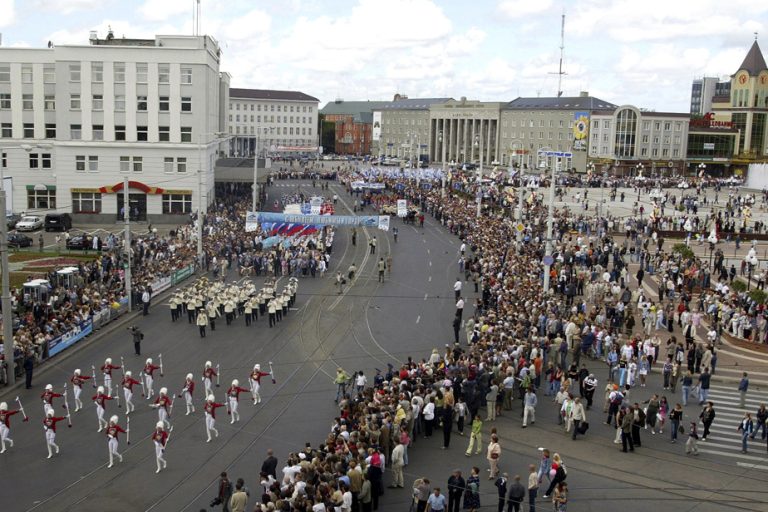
(370, 325)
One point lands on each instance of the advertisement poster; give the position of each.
(580, 131)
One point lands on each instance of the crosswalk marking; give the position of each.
(751, 466)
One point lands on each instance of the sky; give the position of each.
(623, 51)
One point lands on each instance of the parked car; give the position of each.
(58, 222)
(29, 223)
(19, 240)
(80, 242)
(12, 219)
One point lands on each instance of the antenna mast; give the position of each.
(560, 71)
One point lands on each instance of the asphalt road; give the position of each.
(367, 327)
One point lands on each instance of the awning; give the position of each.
(40, 187)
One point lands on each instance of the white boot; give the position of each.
(3, 444)
(158, 466)
(110, 461)
(50, 453)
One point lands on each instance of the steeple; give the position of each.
(754, 62)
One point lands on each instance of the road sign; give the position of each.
(520, 227)
(559, 154)
(548, 260)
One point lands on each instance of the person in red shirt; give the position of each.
(160, 438)
(128, 383)
(233, 395)
(162, 404)
(189, 388)
(48, 396)
(210, 416)
(256, 376)
(5, 425)
(113, 429)
(208, 375)
(49, 424)
(77, 381)
(106, 370)
(100, 399)
(148, 370)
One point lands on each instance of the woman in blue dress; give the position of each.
(472, 494)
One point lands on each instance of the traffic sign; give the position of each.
(548, 260)
(520, 227)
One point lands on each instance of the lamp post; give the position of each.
(550, 220)
(639, 168)
(255, 193)
(9, 345)
(702, 167)
(202, 173)
(479, 145)
(442, 159)
(520, 188)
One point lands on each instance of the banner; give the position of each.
(384, 222)
(376, 131)
(580, 130)
(160, 284)
(366, 221)
(314, 205)
(182, 274)
(402, 208)
(251, 221)
(359, 185)
(68, 339)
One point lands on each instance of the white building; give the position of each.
(278, 121)
(144, 109)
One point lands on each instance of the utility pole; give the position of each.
(127, 219)
(480, 174)
(550, 214)
(5, 300)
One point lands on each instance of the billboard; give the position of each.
(376, 132)
(580, 131)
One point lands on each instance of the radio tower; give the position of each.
(560, 71)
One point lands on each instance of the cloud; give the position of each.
(68, 6)
(9, 14)
(161, 10)
(520, 8)
(250, 25)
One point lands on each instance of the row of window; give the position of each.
(665, 152)
(97, 132)
(97, 72)
(286, 131)
(280, 108)
(90, 202)
(272, 119)
(97, 102)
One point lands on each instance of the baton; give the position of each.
(66, 405)
(218, 374)
(21, 408)
(128, 429)
(173, 399)
(161, 364)
(141, 378)
(272, 372)
(93, 381)
(117, 394)
(122, 366)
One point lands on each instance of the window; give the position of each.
(120, 102)
(186, 134)
(34, 161)
(98, 132)
(163, 73)
(38, 160)
(86, 202)
(3, 160)
(237, 106)
(655, 152)
(164, 104)
(186, 104)
(177, 203)
(6, 130)
(181, 164)
(137, 163)
(645, 139)
(119, 72)
(80, 163)
(49, 73)
(665, 152)
(50, 103)
(119, 132)
(74, 72)
(676, 152)
(98, 102)
(75, 131)
(41, 199)
(186, 75)
(667, 126)
(93, 163)
(164, 133)
(29, 130)
(168, 164)
(50, 130)
(97, 71)
(5, 101)
(141, 72)
(74, 102)
(26, 102)
(657, 126)
(26, 74)
(5, 73)
(237, 118)
(141, 103)
(141, 133)
(125, 163)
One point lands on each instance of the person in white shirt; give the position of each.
(457, 288)
(360, 381)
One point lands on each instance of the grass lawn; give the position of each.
(18, 257)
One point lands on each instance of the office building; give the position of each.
(77, 120)
(350, 126)
(702, 92)
(401, 128)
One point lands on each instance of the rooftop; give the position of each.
(413, 103)
(360, 111)
(270, 94)
(561, 103)
(754, 62)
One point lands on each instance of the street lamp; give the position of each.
(639, 168)
(9, 345)
(550, 215)
(203, 206)
(702, 168)
(520, 187)
(479, 145)
(442, 159)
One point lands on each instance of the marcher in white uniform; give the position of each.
(128, 383)
(160, 438)
(189, 388)
(5, 425)
(149, 369)
(210, 416)
(113, 429)
(256, 376)
(233, 395)
(208, 374)
(162, 403)
(49, 424)
(77, 388)
(100, 400)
